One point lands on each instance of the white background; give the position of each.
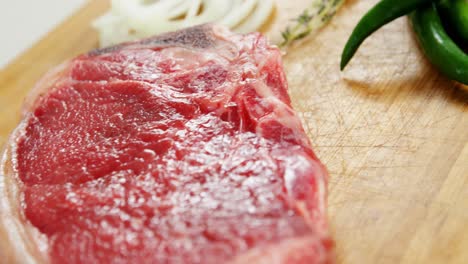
(23, 22)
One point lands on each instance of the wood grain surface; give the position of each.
(392, 131)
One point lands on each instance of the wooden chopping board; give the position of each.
(391, 130)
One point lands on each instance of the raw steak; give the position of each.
(182, 148)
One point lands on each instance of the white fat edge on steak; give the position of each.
(284, 114)
(28, 245)
(277, 253)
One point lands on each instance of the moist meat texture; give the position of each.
(182, 148)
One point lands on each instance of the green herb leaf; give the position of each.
(319, 13)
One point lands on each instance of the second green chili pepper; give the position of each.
(438, 46)
(381, 14)
(455, 12)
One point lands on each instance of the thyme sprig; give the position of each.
(311, 19)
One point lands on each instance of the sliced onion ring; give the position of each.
(132, 19)
(262, 12)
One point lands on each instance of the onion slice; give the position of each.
(132, 19)
(242, 10)
(262, 12)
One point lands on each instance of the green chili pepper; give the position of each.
(455, 13)
(381, 14)
(438, 46)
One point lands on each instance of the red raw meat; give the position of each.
(182, 148)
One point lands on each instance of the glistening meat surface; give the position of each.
(181, 148)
